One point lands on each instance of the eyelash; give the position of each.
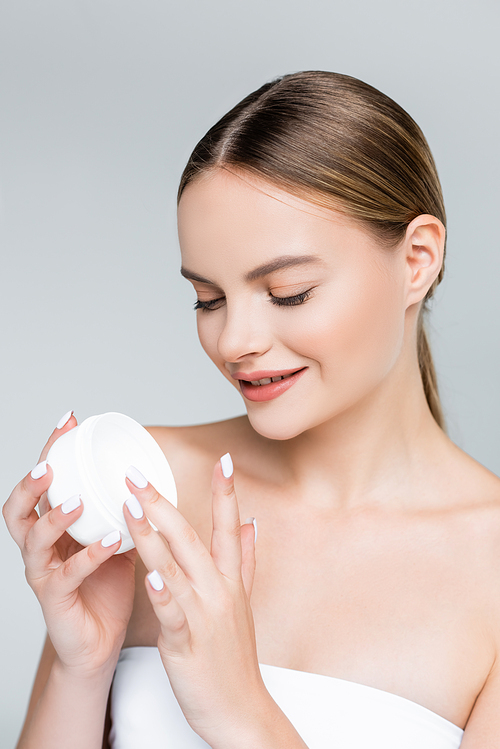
(279, 301)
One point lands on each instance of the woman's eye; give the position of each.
(280, 301)
(291, 301)
(209, 304)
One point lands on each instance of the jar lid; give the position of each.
(106, 445)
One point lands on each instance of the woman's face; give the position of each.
(288, 289)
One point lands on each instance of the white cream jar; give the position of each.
(91, 460)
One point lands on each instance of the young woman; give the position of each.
(312, 227)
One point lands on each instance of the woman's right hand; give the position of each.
(86, 593)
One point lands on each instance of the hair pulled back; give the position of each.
(344, 145)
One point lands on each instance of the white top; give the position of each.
(328, 713)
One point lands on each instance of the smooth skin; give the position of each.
(378, 555)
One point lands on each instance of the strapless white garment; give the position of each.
(327, 712)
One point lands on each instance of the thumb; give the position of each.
(248, 560)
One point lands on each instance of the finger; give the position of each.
(19, 510)
(226, 534)
(68, 577)
(65, 423)
(248, 539)
(187, 547)
(174, 624)
(38, 551)
(156, 554)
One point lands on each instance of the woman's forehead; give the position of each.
(231, 189)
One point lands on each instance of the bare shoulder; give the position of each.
(193, 450)
(199, 436)
(476, 496)
(476, 522)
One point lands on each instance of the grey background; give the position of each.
(101, 103)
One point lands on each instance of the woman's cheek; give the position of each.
(368, 334)
(355, 333)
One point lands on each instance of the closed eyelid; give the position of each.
(295, 285)
(291, 289)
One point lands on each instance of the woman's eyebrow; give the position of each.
(285, 261)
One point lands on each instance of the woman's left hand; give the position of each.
(207, 638)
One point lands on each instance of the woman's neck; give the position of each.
(384, 449)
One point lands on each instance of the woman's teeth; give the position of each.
(267, 380)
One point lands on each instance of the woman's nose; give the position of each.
(245, 333)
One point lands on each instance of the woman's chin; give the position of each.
(269, 428)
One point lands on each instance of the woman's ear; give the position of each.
(424, 246)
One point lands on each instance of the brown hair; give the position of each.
(342, 144)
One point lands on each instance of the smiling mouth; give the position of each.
(269, 380)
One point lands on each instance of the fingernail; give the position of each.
(155, 580)
(254, 523)
(110, 539)
(39, 470)
(71, 504)
(64, 420)
(227, 466)
(135, 476)
(134, 506)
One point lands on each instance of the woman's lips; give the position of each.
(272, 389)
